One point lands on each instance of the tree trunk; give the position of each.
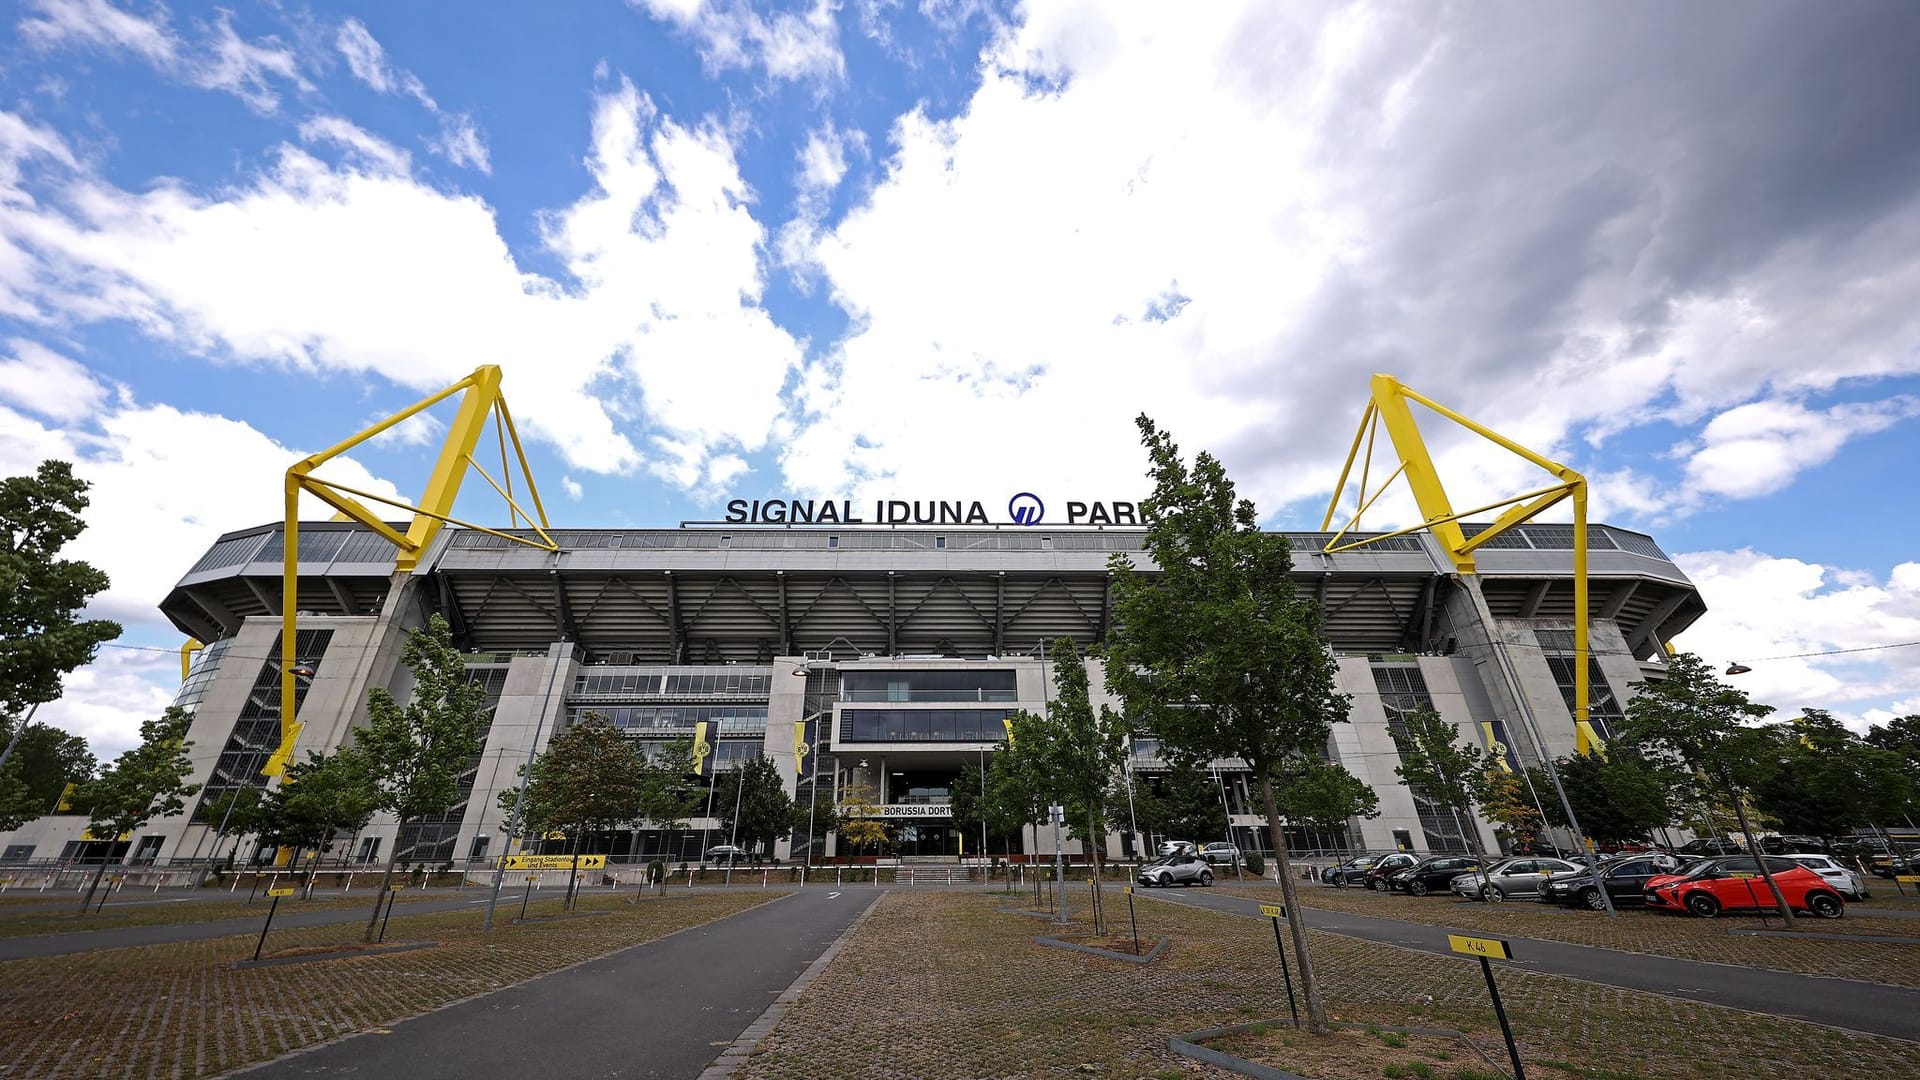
(1471, 829)
(1296, 922)
(1093, 852)
(313, 871)
(380, 897)
(573, 874)
(1760, 858)
(87, 900)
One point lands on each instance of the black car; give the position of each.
(1792, 845)
(1710, 845)
(1623, 879)
(1432, 874)
(1351, 872)
(1376, 876)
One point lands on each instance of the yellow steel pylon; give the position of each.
(1389, 403)
(480, 402)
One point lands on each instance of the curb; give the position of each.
(1817, 936)
(1149, 957)
(736, 1055)
(1189, 1045)
(344, 954)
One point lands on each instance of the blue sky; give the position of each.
(950, 249)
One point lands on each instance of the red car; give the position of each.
(1733, 883)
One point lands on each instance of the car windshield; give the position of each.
(1363, 861)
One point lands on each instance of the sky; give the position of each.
(950, 249)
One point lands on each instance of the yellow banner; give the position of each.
(288, 891)
(1493, 948)
(555, 862)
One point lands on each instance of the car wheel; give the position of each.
(1206, 877)
(1417, 887)
(1376, 886)
(1492, 894)
(1591, 898)
(1825, 905)
(1703, 905)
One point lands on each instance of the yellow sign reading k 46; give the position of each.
(1493, 948)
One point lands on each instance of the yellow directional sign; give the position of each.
(1910, 879)
(1480, 946)
(396, 887)
(288, 891)
(1276, 911)
(555, 862)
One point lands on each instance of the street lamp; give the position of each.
(1737, 668)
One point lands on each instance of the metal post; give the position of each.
(526, 896)
(1285, 973)
(1513, 1052)
(1055, 813)
(526, 773)
(733, 837)
(391, 896)
(258, 945)
(986, 865)
(17, 732)
(1133, 918)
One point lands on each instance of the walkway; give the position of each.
(663, 1009)
(1841, 1003)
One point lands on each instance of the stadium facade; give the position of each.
(855, 655)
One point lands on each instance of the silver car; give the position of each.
(1511, 879)
(1176, 870)
(1844, 881)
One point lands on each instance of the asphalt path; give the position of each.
(1841, 1003)
(667, 1008)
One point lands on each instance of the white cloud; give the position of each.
(379, 155)
(100, 24)
(1758, 448)
(823, 161)
(420, 429)
(42, 381)
(790, 45)
(1762, 609)
(460, 142)
(220, 60)
(367, 270)
(106, 701)
(572, 487)
(368, 62)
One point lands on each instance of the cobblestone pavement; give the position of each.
(1655, 932)
(947, 985)
(182, 1010)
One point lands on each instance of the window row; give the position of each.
(923, 725)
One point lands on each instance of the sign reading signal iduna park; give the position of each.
(1024, 508)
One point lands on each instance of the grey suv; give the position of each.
(1176, 870)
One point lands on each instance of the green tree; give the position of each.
(1503, 799)
(316, 801)
(1434, 765)
(979, 801)
(1690, 724)
(41, 594)
(1323, 796)
(417, 752)
(590, 778)
(1182, 803)
(1618, 797)
(235, 812)
(146, 782)
(765, 809)
(1831, 781)
(1214, 649)
(668, 796)
(45, 760)
(1901, 736)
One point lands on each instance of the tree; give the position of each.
(1691, 724)
(1901, 736)
(1434, 765)
(1183, 803)
(1504, 801)
(1831, 781)
(667, 796)
(317, 801)
(235, 812)
(146, 782)
(1323, 796)
(858, 826)
(1075, 753)
(765, 810)
(1215, 651)
(41, 639)
(1618, 797)
(979, 801)
(45, 760)
(590, 778)
(417, 752)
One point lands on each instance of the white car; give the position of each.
(1177, 847)
(1844, 881)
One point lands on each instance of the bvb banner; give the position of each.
(555, 862)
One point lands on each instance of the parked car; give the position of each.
(1221, 852)
(1709, 845)
(1510, 879)
(1351, 872)
(1844, 881)
(1624, 879)
(1177, 847)
(1376, 876)
(1792, 845)
(1901, 862)
(725, 853)
(1433, 872)
(1734, 884)
(1182, 869)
